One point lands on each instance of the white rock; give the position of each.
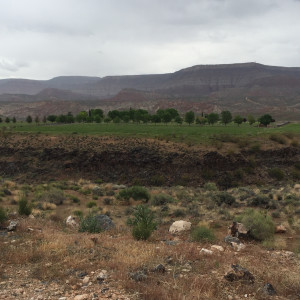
(179, 226)
(217, 247)
(238, 247)
(206, 251)
(82, 297)
(71, 221)
(86, 279)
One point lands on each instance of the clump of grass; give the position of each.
(276, 173)
(3, 215)
(142, 223)
(278, 138)
(203, 234)
(78, 213)
(161, 199)
(54, 195)
(179, 213)
(24, 207)
(210, 186)
(91, 204)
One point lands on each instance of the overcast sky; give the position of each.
(41, 39)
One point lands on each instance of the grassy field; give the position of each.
(194, 133)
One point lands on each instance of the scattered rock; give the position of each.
(12, 226)
(119, 187)
(71, 221)
(238, 247)
(82, 297)
(102, 276)
(171, 243)
(230, 239)
(86, 280)
(268, 289)
(238, 230)
(140, 275)
(180, 226)
(159, 269)
(280, 229)
(206, 251)
(239, 274)
(216, 247)
(105, 222)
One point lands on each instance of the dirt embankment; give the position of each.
(136, 161)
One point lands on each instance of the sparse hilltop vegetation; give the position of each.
(139, 205)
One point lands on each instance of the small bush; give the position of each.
(223, 197)
(259, 200)
(210, 186)
(295, 174)
(74, 199)
(161, 199)
(135, 192)
(276, 173)
(3, 215)
(85, 191)
(89, 224)
(24, 207)
(179, 213)
(261, 226)
(107, 201)
(203, 234)
(143, 223)
(78, 213)
(297, 165)
(91, 204)
(157, 180)
(54, 195)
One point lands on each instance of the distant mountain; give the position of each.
(242, 88)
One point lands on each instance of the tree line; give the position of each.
(143, 116)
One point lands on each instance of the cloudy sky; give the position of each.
(41, 39)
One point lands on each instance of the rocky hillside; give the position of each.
(242, 88)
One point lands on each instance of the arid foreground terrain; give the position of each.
(46, 179)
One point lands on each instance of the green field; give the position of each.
(194, 133)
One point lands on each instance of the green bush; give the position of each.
(142, 223)
(89, 224)
(260, 226)
(135, 192)
(210, 186)
(259, 200)
(161, 199)
(179, 213)
(276, 173)
(24, 207)
(223, 197)
(78, 213)
(91, 204)
(3, 215)
(54, 195)
(202, 234)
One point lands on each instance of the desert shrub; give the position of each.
(89, 224)
(54, 195)
(107, 201)
(297, 165)
(3, 215)
(210, 186)
(91, 204)
(135, 192)
(74, 199)
(278, 138)
(276, 173)
(292, 199)
(238, 174)
(223, 197)
(24, 207)
(261, 226)
(142, 223)
(202, 234)
(295, 174)
(295, 143)
(110, 193)
(179, 213)
(259, 200)
(275, 214)
(97, 191)
(157, 180)
(161, 199)
(78, 213)
(85, 191)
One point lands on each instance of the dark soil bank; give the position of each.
(137, 161)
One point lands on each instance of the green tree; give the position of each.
(265, 119)
(37, 120)
(166, 117)
(250, 119)
(189, 117)
(212, 118)
(51, 118)
(29, 119)
(1, 120)
(44, 119)
(238, 120)
(178, 120)
(226, 117)
(155, 119)
(14, 119)
(7, 120)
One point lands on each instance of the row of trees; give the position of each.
(143, 116)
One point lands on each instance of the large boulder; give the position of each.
(105, 222)
(180, 226)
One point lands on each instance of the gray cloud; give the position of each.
(108, 37)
